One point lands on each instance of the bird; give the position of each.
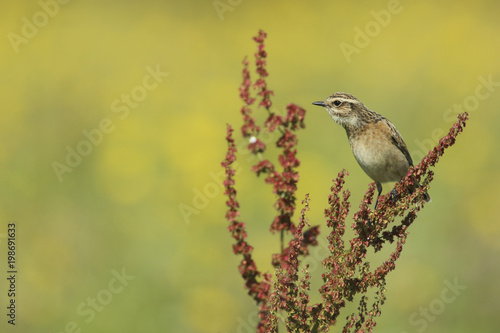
(375, 142)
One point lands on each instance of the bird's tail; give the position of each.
(426, 195)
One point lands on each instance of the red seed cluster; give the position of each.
(346, 271)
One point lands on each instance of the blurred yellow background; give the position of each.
(112, 133)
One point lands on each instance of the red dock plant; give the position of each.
(347, 273)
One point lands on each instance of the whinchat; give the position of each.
(375, 142)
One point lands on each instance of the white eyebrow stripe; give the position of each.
(341, 99)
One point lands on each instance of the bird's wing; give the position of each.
(398, 141)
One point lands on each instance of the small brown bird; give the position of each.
(375, 142)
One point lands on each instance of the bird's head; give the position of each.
(344, 108)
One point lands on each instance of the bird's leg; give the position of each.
(379, 189)
(282, 237)
(371, 224)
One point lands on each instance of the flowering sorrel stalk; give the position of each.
(284, 182)
(347, 273)
(259, 290)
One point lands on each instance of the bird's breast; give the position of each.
(374, 151)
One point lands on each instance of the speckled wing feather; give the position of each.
(398, 141)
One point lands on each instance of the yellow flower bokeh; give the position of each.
(146, 194)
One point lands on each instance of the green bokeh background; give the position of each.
(121, 207)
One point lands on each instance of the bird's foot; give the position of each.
(394, 195)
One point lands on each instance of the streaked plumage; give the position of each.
(375, 142)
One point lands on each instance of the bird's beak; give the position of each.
(320, 104)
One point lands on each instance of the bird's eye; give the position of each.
(337, 103)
